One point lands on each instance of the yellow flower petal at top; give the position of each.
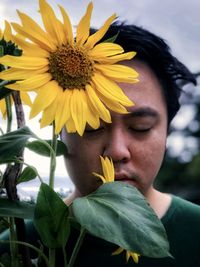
(77, 72)
(108, 170)
(135, 256)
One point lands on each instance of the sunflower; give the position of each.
(135, 256)
(8, 46)
(108, 170)
(74, 78)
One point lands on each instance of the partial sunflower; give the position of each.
(108, 170)
(8, 47)
(74, 78)
(135, 256)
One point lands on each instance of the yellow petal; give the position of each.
(3, 107)
(102, 111)
(42, 40)
(49, 113)
(119, 73)
(127, 256)
(24, 62)
(104, 50)
(117, 251)
(104, 167)
(94, 38)
(33, 28)
(76, 108)
(84, 26)
(31, 83)
(45, 96)
(63, 110)
(8, 32)
(26, 98)
(113, 105)
(30, 49)
(111, 170)
(92, 118)
(91, 114)
(67, 26)
(52, 25)
(20, 74)
(99, 176)
(135, 256)
(70, 126)
(110, 89)
(116, 58)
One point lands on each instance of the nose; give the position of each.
(117, 146)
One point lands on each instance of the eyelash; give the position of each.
(94, 130)
(140, 130)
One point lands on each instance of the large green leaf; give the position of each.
(14, 208)
(118, 213)
(42, 149)
(51, 218)
(11, 144)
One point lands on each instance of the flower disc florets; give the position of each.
(71, 67)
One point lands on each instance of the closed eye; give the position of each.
(142, 130)
(92, 130)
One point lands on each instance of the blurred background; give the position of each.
(179, 24)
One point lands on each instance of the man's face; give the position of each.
(136, 141)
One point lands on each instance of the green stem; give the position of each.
(9, 113)
(40, 253)
(64, 256)
(77, 247)
(13, 245)
(52, 257)
(53, 158)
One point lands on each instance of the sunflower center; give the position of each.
(71, 67)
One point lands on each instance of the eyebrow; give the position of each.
(144, 112)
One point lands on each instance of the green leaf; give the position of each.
(111, 39)
(51, 218)
(4, 91)
(14, 208)
(11, 144)
(27, 174)
(118, 213)
(1, 50)
(41, 149)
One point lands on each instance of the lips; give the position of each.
(124, 177)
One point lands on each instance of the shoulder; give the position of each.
(183, 210)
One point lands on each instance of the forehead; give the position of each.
(148, 91)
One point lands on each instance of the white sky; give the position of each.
(176, 21)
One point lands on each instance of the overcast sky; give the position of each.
(176, 21)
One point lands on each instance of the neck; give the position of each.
(159, 201)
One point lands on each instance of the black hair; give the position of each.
(154, 51)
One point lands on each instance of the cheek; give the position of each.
(152, 156)
(83, 159)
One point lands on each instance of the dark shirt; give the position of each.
(182, 224)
